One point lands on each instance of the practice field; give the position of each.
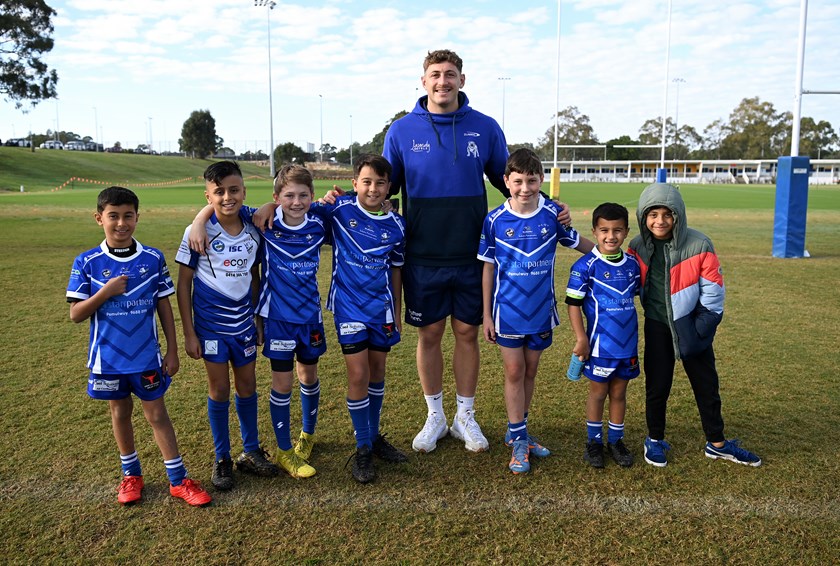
(777, 355)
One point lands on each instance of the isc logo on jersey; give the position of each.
(282, 345)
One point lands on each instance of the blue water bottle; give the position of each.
(575, 368)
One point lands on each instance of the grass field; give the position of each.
(777, 355)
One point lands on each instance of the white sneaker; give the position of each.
(434, 429)
(465, 428)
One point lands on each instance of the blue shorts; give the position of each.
(603, 370)
(239, 350)
(380, 336)
(539, 341)
(433, 293)
(146, 385)
(285, 339)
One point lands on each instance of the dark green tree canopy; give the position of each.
(198, 135)
(25, 35)
(289, 153)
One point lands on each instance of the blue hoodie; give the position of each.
(439, 162)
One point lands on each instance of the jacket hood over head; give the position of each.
(658, 195)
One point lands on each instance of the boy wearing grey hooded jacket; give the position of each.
(682, 296)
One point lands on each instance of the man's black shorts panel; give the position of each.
(434, 293)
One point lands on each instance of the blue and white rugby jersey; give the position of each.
(123, 331)
(607, 289)
(289, 280)
(222, 284)
(523, 247)
(365, 248)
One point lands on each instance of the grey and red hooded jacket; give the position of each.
(693, 274)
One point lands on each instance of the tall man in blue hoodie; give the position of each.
(440, 153)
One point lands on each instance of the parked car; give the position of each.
(17, 142)
(52, 144)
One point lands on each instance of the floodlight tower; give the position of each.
(504, 81)
(270, 5)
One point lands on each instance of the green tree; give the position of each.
(573, 129)
(289, 153)
(625, 153)
(377, 144)
(817, 139)
(755, 131)
(198, 135)
(25, 35)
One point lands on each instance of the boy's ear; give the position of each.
(98, 217)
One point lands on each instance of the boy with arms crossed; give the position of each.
(682, 293)
(120, 285)
(518, 245)
(602, 286)
(220, 289)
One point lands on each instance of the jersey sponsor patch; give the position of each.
(600, 371)
(316, 338)
(511, 336)
(250, 350)
(150, 380)
(348, 328)
(105, 384)
(211, 347)
(282, 345)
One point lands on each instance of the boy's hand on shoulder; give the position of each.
(198, 238)
(564, 217)
(331, 195)
(264, 216)
(171, 364)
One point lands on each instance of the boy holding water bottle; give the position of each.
(518, 244)
(602, 286)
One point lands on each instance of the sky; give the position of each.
(341, 69)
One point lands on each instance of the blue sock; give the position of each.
(595, 431)
(359, 410)
(310, 398)
(615, 432)
(246, 409)
(131, 464)
(175, 470)
(218, 412)
(376, 394)
(518, 431)
(279, 409)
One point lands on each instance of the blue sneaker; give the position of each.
(534, 446)
(732, 451)
(519, 463)
(655, 452)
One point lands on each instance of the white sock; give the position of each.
(464, 404)
(435, 403)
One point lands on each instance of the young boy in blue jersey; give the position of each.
(518, 245)
(365, 299)
(289, 309)
(602, 286)
(216, 298)
(120, 285)
(682, 295)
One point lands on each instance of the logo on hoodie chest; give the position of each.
(420, 147)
